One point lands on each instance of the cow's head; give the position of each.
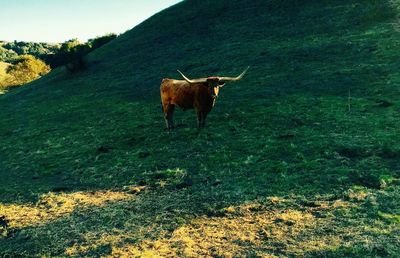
(214, 82)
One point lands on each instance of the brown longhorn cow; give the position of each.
(199, 94)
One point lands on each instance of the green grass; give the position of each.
(285, 147)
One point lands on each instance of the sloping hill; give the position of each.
(306, 145)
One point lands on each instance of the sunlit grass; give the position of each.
(267, 230)
(52, 206)
(118, 224)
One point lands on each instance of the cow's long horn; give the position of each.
(192, 81)
(234, 78)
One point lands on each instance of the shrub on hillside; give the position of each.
(100, 41)
(26, 69)
(64, 55)
(72, 53)
(76, 58)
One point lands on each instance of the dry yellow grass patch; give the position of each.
(3, 68)
(52, 206)
(251, 229)
(3, 76)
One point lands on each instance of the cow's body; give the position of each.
(182, 94)
(199, 94)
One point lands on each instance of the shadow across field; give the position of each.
(165, 222)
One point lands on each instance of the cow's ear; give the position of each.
(221, 84)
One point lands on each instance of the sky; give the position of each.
(56, 21)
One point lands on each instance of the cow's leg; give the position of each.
(168, 116)
(204, 115)
(199, 118)
(165, 111)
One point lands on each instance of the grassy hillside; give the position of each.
(299, 158)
